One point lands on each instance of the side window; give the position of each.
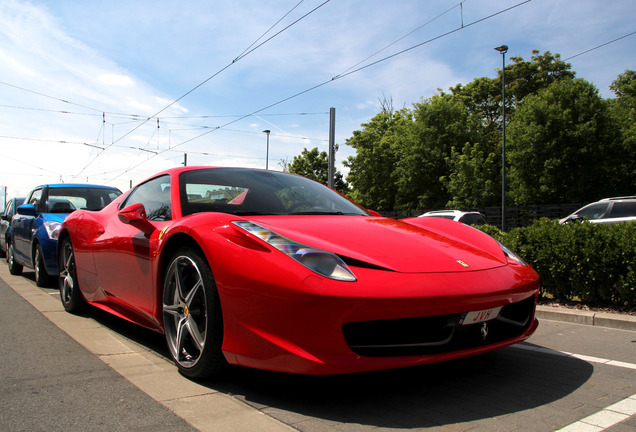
(36, 200)
(595, 211)
(623, 209)
(9, 210)
(155, 196)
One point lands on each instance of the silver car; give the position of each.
(608, 210)
(468, 218)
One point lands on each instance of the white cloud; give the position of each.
(89, 72)
(115, 80)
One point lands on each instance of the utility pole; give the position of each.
(185, 159)
(503, 50)
(267, 132)
(332, 146)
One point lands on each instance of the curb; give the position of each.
(599, 319)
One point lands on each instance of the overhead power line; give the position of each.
(244, 54)
(50, 97)
(406, 35)
(600, 46)
(461, 27)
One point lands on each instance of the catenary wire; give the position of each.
(463, 26)
(243, 55)
(599, 46)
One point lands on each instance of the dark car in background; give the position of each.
(35, 227)
(5, 222)
(608, 210)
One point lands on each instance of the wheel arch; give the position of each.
(34, 245)
(63, 235)
(174, 243)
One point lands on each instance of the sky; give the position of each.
(112, 92)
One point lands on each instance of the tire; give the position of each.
(192, 316)
(42, 278)
(14, 267)
(70, 294)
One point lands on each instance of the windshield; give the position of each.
(243, 191)
(68, 199)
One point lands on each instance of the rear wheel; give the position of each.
(14, 267)
(70, 294)
(192, 316)
(42, 279)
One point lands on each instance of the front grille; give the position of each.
(436, 334)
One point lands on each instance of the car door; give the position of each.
(22, 226)
(124, 253)
(4, 224)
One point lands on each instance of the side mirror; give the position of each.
(26, 210)
(135, 215)
(5, 217)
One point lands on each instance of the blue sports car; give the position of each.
(35, 227)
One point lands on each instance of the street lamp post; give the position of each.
(267, 131)
(503, 50)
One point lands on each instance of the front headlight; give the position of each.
(511, 255)
(319, 261)
(52, 229)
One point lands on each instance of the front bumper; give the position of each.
(384, 320)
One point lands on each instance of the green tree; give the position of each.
(446, 150)
(315, 165)
(562, 146)
(442, 123)
(475, 177)
(474, 167)
(524, 78)
(623, 110)
(380, 148)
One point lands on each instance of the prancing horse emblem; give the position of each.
(484, 331)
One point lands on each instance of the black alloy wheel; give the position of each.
(42, 279)
(14, 268)
(70, 294)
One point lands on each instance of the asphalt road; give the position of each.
(60, 372)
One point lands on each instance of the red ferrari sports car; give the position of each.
(274, 271)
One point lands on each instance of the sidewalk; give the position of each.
(600, 319)
(202, 407)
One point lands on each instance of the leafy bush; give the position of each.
(595, 263)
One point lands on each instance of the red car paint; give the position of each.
(280, 315)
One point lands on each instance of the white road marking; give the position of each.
(605, 418)
(586, 358)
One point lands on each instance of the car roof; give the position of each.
(627, 198)
(453, 212)
(74, 185)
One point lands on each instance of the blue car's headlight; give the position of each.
(322, 262)
(52, 229)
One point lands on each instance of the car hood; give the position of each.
(416, 245)
(57, 217)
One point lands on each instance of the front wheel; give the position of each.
(42, 278)
(192, 316)
(14, 267)
(70, 294)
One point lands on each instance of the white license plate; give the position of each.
(480, 316)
